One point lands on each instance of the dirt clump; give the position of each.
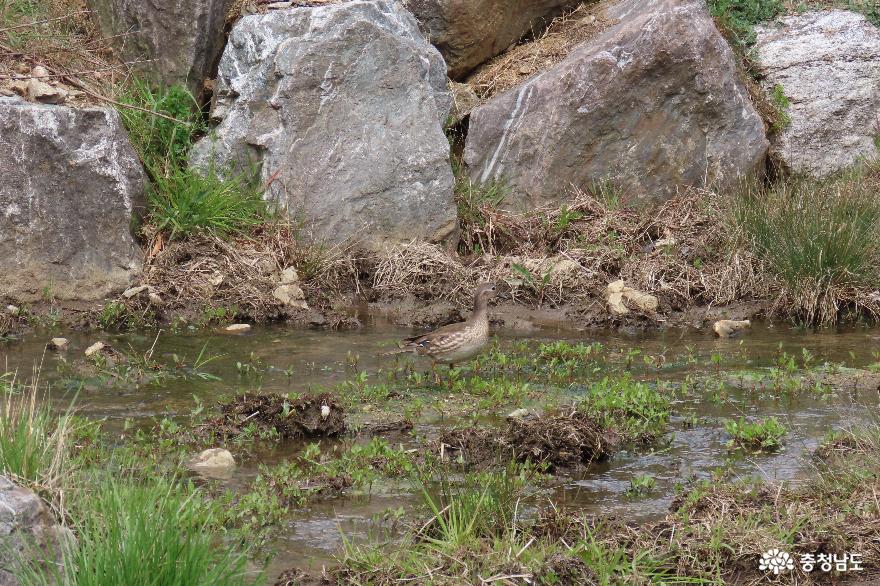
(298, 577)
(563, 440)
(308, 416)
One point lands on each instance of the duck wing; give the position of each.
(437, 341)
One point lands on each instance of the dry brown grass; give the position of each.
(682, 252)
(208, 271)
(61, 36)
(564, 34)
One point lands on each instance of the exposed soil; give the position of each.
(301, 418)
(564, 440)
(385, 424)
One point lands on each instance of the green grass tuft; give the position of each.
(183, 202)
(151, 531)
(32, 440)
(821, 240)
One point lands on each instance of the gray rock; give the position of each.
(27, 531)
(175, 41)
(828, 64)
(651, 104)
(470, 32)
(72, 184)
(343, 105)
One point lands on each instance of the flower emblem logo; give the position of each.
(776, 561)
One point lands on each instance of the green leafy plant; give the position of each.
(112, 314)
(636, 409)
(640, 485)
(761, 435)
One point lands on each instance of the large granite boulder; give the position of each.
(470, 32)
(651, 104)
(176, 41)
(827, 65)
(28, 533)
(342, 105)
(71, 186)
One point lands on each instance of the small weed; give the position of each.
(608, 193)
(640, 485)
(112, 315)
(739, 17)
(782, 119)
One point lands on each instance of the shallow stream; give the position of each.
(284, 360)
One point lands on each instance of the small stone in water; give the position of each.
(95, 348)
(238, 328)
(214, 463)
(728, 328)
(58, 344)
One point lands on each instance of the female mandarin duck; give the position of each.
(455, 342)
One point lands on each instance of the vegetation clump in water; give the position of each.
(307, 416)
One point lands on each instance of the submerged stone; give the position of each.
(728, 328)
(213, 463)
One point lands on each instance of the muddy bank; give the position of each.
(553, 269)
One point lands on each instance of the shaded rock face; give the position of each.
(828, 64)
(651, 104)
(343, 106)
(27, 530)
(470, 32)
(71, 185)
(178, 41)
